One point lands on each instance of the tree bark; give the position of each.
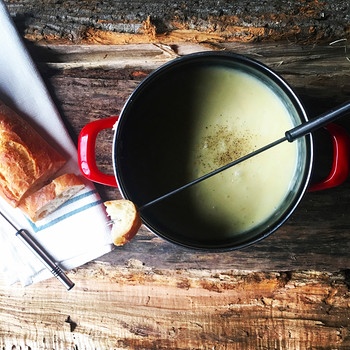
(118, 22)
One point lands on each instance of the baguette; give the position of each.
(125, 218)
(27, 161)
(50, 197)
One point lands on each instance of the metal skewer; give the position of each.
(41, 254)
(290, 135)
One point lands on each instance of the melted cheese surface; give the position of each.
(237, 114)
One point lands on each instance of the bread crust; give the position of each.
(126, 220)
(27, 161)
(47, 199)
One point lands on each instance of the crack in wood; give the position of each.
(72, 324)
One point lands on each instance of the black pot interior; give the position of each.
(151, 146)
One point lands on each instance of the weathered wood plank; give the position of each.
(138, 307)
(120, 22)
(315, 237)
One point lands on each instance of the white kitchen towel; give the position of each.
(76, 233)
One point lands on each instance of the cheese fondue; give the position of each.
(236, 114)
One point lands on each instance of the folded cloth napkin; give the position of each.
(77, 232)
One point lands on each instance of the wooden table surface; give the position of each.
(290, 291)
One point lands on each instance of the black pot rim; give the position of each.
(254, 64)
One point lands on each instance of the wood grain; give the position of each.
(139, 307)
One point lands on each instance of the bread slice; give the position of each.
(125, 218)
(27, 161)
(50, 197)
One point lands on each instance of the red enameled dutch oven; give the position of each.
(151, 145)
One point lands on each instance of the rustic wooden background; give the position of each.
(121, 22)
(290, 291)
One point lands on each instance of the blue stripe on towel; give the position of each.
(78, 198)
(70, 213)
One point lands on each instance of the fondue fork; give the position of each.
(41, 254)
(290, 136)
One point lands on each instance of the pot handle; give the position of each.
(340, 167)
(87, 154)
